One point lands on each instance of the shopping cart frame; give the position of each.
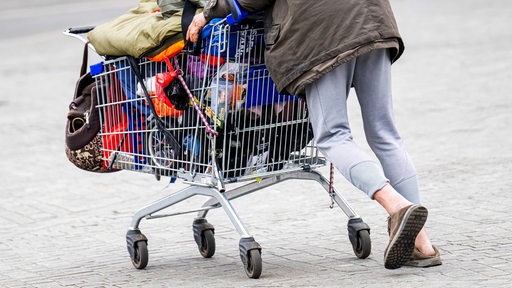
(220, 197)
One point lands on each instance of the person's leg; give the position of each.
(372, 81)
(327, 108)
(326, 99)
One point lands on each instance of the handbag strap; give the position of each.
(85, 60)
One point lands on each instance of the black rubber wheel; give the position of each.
(207, 244)
(140, 257)
(364, 244)
(254, 264)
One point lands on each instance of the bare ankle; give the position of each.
(427, 250)
(390, 199)
(423, 243)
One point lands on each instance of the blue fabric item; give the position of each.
(261, 90)
(128, 82)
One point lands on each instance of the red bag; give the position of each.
(169, 91)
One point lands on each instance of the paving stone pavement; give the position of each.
(66, 228)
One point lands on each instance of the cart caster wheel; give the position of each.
(207, 247)
(359, 235)
(250, 253)
(364, 245)
(140, 257)
(254, 264)
(204, 237)
(137, 245)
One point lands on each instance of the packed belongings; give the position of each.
(257, 127)
(144, 31)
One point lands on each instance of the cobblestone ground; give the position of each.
(66, 228)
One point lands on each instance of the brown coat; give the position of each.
(307, 38)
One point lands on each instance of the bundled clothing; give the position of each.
(144, 31)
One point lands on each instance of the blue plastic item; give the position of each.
(96, 69)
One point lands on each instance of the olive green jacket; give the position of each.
(143, 31)
(307, 38)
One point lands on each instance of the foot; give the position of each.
(403, 227)
(419, 259)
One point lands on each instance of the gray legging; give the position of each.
(370, 75)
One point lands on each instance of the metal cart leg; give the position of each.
(203, 231)
(184, 194)
(358, 230)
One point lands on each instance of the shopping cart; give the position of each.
(219, 120)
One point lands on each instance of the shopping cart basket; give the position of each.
(219, 120)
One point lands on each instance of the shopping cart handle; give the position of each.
(79, 30)
(79, 33)
(237, 14)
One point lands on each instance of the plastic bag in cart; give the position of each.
(226, 92)
(158, 97)
(224, 95)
